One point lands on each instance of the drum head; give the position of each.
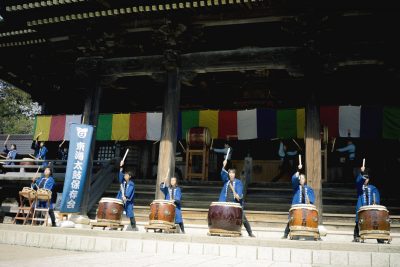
(226, 204)
(163, 201)
(373, 207)
(112, 200)
(303, 206)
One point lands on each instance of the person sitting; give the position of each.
(287, 159)
(40, 151)
(11, 155)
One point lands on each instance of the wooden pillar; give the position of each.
(87, 71)
(169, 129)
(313, 154)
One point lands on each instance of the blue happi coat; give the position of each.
(129, 192)
(177, 199)
(237, 185)
(297, 197)
(363, 191)
(40, 152)
(45, 183)
(12, 154)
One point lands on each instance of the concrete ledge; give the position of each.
(295, 252)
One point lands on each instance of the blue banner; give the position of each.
(77, 164)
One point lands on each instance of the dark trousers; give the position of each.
(246, 224)
(52, 217)
(133, 222)
(356, 231)
(285, 168)
(287, 230)
(182, 227)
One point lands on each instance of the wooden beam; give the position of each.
(313, 154)
(203, 62)
(214, 23)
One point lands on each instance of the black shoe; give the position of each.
(380, 241)
(356, 239)
(251, 235)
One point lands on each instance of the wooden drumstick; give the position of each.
(297, 144)
(233, 190)
(37, 136)
(35, 176)
(373, 197)
(184, 150)
(32, 156)
(4, 157)
(126, 153)
(333, 144)
(62, 143)
(300, 159)
(5, 142)
(156, 142)
(227, 153)
(363, 164)
(212, 142)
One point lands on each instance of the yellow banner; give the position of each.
(42, 127)
(301, 122)
(209, 118)
(120, 127)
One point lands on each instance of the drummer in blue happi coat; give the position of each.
(174, 192)
(45, 182)
(235, 195)
(367, 195)
(302, 193)
(127, 193)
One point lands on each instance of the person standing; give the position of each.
(173, 192)
(127, 194)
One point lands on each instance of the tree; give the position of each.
(17, 110)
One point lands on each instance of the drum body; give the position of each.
(28, 192)
(110, 210)
(162, 212)
(27, 162)
(374, 222)
(303, 220)
(225, 218)
(43, 194)
(198, 137)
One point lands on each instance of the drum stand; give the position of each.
(204, 153)
(24, 211)
(162, 228)
(223, 233)
(383, 235)
(37, 212)
(109, 225)
(303, 232)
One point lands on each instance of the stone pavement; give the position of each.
(10, 255)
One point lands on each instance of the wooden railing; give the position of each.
(56, 166)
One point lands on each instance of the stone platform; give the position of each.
(329, 252)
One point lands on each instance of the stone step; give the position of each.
(335, 249)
